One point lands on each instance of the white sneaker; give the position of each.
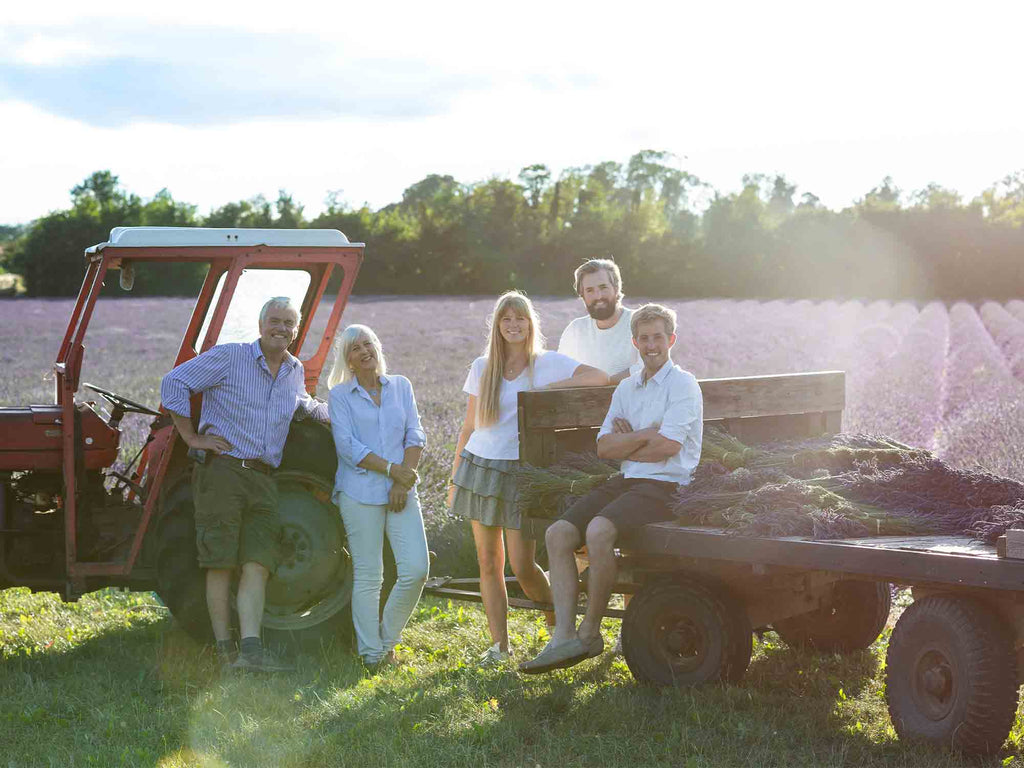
(617, 648)
(494, 656)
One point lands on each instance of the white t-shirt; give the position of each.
(500, 440)
(610, 349)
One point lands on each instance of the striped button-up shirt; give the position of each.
(242, 401)
(360, 427)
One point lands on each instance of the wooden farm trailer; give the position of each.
(698, 593)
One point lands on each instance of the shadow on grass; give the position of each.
(135, 695)
(149, 695)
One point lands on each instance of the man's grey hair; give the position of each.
(649, 313)
(278, 302)
(596, 265)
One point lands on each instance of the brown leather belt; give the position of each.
(255, 464)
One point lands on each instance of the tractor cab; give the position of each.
(76, 516)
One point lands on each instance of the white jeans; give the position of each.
(366, 524)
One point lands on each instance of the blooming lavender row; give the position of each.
(901, 394)
(1016, 308)
(983, 406)
(1008, 333)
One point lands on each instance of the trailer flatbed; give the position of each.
(698, 593)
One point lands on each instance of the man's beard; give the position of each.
(601, 311)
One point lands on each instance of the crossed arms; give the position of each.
(644, 445)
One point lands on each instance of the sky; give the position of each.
(221, 101)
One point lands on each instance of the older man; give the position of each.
(654, 426)
(601, 338)
(251, 392)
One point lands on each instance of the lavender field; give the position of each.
(110, 680)
(948, 378)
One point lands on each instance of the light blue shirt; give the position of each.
(242, 401)
(361, 428)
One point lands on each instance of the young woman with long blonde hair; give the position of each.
(487, 454)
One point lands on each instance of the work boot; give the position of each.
(253, 657)
(261, 661)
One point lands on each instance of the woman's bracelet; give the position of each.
(388, 471)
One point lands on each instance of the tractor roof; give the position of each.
(156, 237)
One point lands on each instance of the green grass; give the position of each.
(111, 680)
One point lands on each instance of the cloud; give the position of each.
(210, 76)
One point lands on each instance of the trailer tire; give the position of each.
(950, 676)
(851, 622)
(685, 633)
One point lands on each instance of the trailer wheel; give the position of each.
(950, 676)
(851, 622)
(685, 633)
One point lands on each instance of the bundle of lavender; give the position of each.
(845, 486)
(546, 492)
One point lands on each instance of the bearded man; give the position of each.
(601, 338)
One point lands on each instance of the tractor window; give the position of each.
(254, 287)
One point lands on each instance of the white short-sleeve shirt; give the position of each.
(609, 349)
(672, 399)
(500, 440)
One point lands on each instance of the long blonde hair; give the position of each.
(494, 371)
(340, 372)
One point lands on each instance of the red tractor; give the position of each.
(70, 522)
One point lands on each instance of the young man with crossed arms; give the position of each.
(654, 426)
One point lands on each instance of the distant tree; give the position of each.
(1003, 202)
(936, 197)
(252, 213)
(884, 197)
(49, 255)
(535, 178)
(289, 215)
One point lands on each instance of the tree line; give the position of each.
(672, 234)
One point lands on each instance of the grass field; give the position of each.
(111, 680)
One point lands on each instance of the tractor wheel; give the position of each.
(307, 600)
(684, 632)
(181, 583)
(308, 597)
(310, 448)
(851, 622)
(950, 675)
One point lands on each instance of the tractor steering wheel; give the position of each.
(120, 402)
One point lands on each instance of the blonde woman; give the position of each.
(379, 440)
(487, 453)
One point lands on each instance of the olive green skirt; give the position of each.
(485, 490)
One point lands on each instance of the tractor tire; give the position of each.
(310, 448)
(852, 622)
(683, 632)
(308, 597)
(950, 675)
(181, 583)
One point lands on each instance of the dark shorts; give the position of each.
(628, 504)
(236, 515)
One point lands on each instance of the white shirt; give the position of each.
(500, 440)
(672, 399)
(610, 349)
